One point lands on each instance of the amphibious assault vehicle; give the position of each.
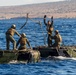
(65, 51)
(27, 56)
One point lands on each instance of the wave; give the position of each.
(63, 58)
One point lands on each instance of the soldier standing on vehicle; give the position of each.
(9, 36)
(23, 41)
(49, 30)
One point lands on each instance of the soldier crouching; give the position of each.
(57, 38)
(23, 41)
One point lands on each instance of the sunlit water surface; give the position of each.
(36, 34)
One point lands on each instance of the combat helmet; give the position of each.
(56, 31)
(23, 35)
(13, 26)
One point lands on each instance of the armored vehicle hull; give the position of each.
(65, 51)
(27, 56)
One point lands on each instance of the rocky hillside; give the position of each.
(57, 9)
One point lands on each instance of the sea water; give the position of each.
(37, 36)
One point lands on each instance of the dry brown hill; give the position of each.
(57, 9)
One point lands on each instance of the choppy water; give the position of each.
(36, 34)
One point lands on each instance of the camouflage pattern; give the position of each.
(9, 38)
(58, 40)
(27, 56)
(23, 41)
(49, 30)
(12, 31)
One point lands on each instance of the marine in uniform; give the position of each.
(23, 41)
(58, 39)
(9, 37)
(49, 30)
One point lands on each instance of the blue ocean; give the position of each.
(37, 36)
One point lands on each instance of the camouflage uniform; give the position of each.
(58, 39)
(50, 30)
(9, 37)
(23, 41)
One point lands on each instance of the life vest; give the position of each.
(50, 29)
(58, 38)
(23, 41)
(10, 31)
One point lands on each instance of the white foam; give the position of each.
(15, 62)
(65, 58)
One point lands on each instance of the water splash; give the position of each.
(64, 58)
(17, 62)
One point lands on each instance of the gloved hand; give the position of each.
(44, 16)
